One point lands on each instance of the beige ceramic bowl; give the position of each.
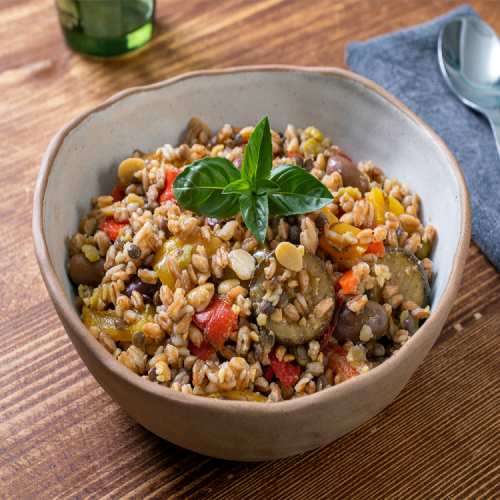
(360, 117)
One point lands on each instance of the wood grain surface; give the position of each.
(61, 436)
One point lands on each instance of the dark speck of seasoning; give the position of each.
(321, 220)
(139, 339)
(297, 160)
(134, 251)
(308, 165)
(294, 235)
(266, 307)
(152, 374)
(120, 324)
(164, 225)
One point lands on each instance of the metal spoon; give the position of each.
(469, 56)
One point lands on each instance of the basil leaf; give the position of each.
(299, 192)
(258, 157)
(241, 186)
(254, 210)
(199, 187)
(265, 186)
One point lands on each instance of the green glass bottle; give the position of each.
(106, 28)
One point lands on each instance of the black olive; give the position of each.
(145, 289)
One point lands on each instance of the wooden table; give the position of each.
(61, 434)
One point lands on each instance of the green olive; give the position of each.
(424, 251)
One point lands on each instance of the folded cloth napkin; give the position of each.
(405, 63)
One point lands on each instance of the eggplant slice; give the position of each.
(287, 332)
(408, 274)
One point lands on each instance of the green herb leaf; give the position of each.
(266, 186)
(241, 186)
(258, 157)
(255, 211)
(199, 187)
(299, 192)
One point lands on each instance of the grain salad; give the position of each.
(222, 295)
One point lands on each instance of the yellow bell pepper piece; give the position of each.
(105, 321)
(174, 244)
(339, 254)
(382, 204)
(351, 191)
(395, 207)
(254, 397)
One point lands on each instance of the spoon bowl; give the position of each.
(469, 57)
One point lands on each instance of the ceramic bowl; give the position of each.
(354, 113)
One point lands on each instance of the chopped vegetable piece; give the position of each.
(217, 321)
(376, 248)
(408, 274)
(168, 193)
(117, 194)
(91, 253)
(204, 351)
(290, 331)
(288, 372)
(105, 321)
(348, 282)
(269, 373)
(112, 228)
(383, 203)
(254, 397)
(177, 247)
(337, 361)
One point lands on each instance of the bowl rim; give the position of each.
(66, 311)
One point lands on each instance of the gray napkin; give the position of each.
(405, 63)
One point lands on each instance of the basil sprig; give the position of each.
(214, 187)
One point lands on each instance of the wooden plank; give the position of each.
(61, 434)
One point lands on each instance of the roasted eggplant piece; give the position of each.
(408, 274)
(350, 323)
(307, 325)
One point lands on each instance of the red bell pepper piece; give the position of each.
(117, 194)
(288, 372)
(348, 282)
(204, 351)
(337, 361)
(339, 299)
(112, 228)
(168, 193)
(269, 373)
(377, 248)
(217, 321)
